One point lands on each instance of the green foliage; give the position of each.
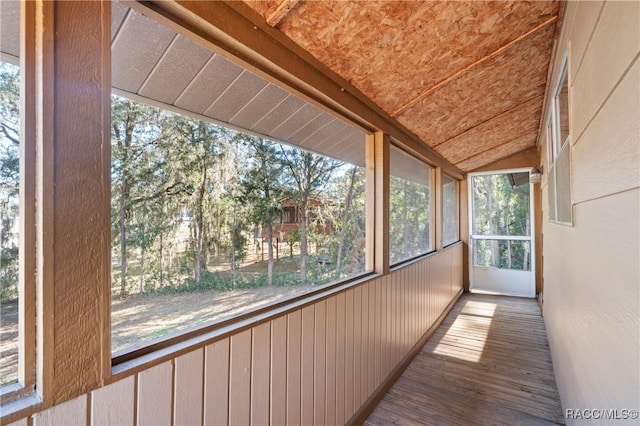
(409, 217)
(186, 195)
(501, 209)
(9, 179)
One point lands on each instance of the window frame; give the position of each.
(558, 148)
(26, 383)
(457, 213)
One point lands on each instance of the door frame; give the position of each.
(532, 284)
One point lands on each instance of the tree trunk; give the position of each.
(123, 242)
(345, 218)
(270, 260)
(303, 239)
(142, 253)
(200, 225)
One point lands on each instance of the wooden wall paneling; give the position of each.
(393, 334)
(388, 344)
(414, 303)
(306, 365)
(320, 363)
(21, 422)
(294, 345)
(340, 357)
(278, 388)
(397, 320)
(330, 398)
(73, 412)
(405, 311)
(216, 383)
(240, 379)
(364, 348)
(382, 331)
(154, 395)
(260, 373)
(377, 328)
(424, 295)
(357, 347)
(114, 403)
(188, 388)
(371, 374)
(349, 405)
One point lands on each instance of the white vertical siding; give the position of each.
(591, 292)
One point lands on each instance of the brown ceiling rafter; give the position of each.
(463, 71)
(281, 12)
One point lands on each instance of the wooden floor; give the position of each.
(488, 363)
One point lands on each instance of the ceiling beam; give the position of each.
(243, 36)
(281, 12)
(465, 70)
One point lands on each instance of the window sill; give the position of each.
(20, 407)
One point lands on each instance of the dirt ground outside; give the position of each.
(143, 317)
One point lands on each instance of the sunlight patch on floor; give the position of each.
(466, 337)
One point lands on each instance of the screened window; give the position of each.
(559, 146)
(17, 237)
(216, 211)
(9, 219)
(449, 210)
(409, 207)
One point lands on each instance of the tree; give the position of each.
(263, 189)
(346, 214)
(308, 174)
(9, 178)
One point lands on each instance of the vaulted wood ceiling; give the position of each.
(467, 77)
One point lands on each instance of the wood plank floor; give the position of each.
(488, 363)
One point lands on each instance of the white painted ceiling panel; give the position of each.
(236, 96)
(136, 50)
(288, 127)
(265, 101)
(118, 13)
(280, 113)
(326, 132)
(205, 88)
(10, 27)
(304, 132)
(175, 70)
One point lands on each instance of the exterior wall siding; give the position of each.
(315, 365)
(591, 275)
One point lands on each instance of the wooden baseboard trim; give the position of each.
(372, 402)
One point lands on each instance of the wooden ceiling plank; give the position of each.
(430, 90)
(281, 12)
(495, 117)
(493, 133)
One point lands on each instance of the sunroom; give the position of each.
(327, 212)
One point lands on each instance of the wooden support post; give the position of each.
(377, 194)
(437, 203)
(73, 90)
(464, 229)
